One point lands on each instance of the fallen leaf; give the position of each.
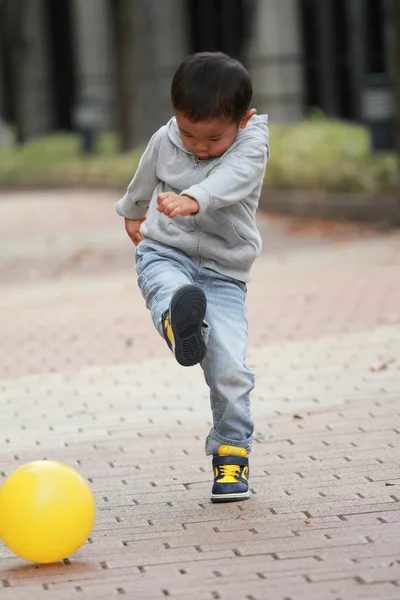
(382, 366)
(242, 516)
(308, 522)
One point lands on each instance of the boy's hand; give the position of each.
(133, 229)
(172, 204)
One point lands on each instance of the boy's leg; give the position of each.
(165, 278)
(230, 381)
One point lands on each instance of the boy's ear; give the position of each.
(250, 113)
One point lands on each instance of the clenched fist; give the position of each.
(172, 204)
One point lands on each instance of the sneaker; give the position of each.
(231, 472)
(182, 325)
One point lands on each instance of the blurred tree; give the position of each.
(397, 96)
(395, 64)
(125, 40)
(220, 25)
(12, 33)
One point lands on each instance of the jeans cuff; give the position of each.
(214, 441)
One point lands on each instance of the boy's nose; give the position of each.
(201, 147)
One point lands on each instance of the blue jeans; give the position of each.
(161, 271)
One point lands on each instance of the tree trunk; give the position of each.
(125, 72)
(397, 97)
(12, 21)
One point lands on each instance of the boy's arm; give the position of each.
(136, 201)
(233, 180)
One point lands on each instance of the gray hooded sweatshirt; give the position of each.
(223, 235)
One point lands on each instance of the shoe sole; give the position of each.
(187, 310)
(230, 497)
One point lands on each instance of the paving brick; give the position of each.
(85, 379)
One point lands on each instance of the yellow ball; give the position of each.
(47, 511)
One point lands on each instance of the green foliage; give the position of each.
(56, 161)
(327, 155)
(319, 154)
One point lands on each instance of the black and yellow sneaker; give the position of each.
(182, 325)
(231, 473)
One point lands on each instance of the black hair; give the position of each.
(210, 85)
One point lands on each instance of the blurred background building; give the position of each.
(112, 60)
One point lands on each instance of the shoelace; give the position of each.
(229, 470)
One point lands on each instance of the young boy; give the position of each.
(190, 210)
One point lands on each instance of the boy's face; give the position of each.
(211, 137)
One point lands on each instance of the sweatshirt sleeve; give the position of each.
(234, 179)
(136, 201)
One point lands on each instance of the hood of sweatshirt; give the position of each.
(256, 129)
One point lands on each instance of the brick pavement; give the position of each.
(84, 379)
